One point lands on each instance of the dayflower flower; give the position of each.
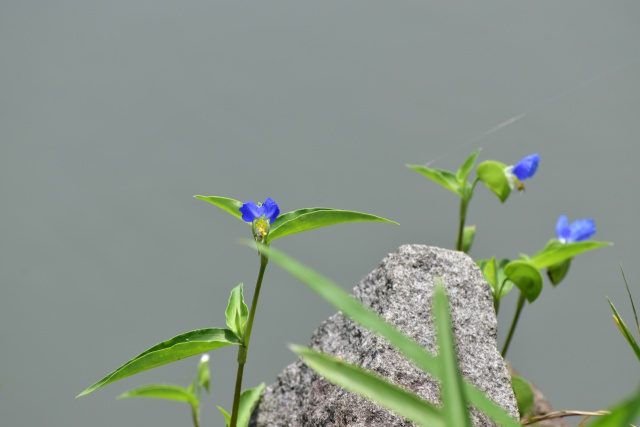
(522, 170)
(260, 215)
(577, 231)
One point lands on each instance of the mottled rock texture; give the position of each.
(399, 290)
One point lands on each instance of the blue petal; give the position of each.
(270, 209)
(526, 167)
(251, 211)
(582, 229)
(563, 232)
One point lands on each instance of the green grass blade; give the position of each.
(352, 308)
(622, 414)
(230, 206)
(162, 391)
(630, 297)
(625, 330)
(177, 348)
(373, 387)
(454, 400)
(318, 218)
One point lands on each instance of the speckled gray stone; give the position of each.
(399, 290)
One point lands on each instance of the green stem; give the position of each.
(521, 301)
(244, 347)
(464, 204)
(195, 414)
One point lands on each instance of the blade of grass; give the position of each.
(625, 330)
(454, 400)
(630, 298)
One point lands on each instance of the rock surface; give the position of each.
(400, 290)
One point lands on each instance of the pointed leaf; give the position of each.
(248, 401)
(318, 218)
(493, 175)
(526, 277)
(226, 415)
(230, 206)
(162, 391)
(557, 272)
(354, 309)
(524, 394)
(177, 348)
(465, 169)
(237, 311)
(454, 400)
(624, 330)
(468, 234)
(557, 252)
(445, 178)
(371, 386)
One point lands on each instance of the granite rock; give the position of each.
(400, 290)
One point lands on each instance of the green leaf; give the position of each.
(626, 333)
(468, 234)
(162, 391)
(633, 306)
(465, 169)
(557, 272)
(177, 348)
(494, 274)
(454, 400)
(228, 205)
(556, 252)
(445, 178)
(316, 218)
(226, 415)
(493, 175)
(524, 394)
(237, 312)
(353, 309)
(371, 386)
(526, 277)
(248, 401)
(622, 414)
(204, 375)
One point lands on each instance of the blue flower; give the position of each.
(577, 231)
(252, 211)
(522, 170)
(260, 216)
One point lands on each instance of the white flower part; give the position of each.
(204, 358)
(513, 180)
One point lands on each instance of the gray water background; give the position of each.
(114, 114)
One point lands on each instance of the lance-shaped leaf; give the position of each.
(492, 174)
(177, 348)
(230, 206)
(162, 391)
(354, 309)
(315, 218)
(445, 178)
(465, 169)
(371, 386)
(526, 277)
(237, 311)
(248, 401)
(454, 400)
(624, 330)
(556, 252)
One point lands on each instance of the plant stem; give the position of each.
(244, 347)
(521, 301)
(463, 216)
(195, 414)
